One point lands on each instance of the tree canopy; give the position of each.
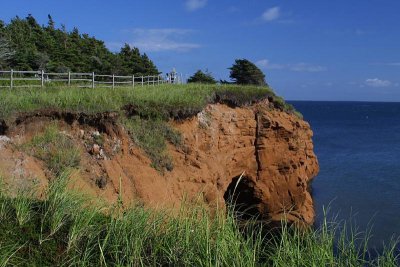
(245, 72)
(5, 52)
(30, 46)
(202, 77)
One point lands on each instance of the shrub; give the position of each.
(201, 77)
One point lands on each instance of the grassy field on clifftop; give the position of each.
(163, 101)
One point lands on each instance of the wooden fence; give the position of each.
(15, 79)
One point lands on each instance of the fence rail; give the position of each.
(19, 79)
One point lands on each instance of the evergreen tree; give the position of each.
(51, 24)
(57, 50)
(6, 53)
(149, 66)
(245, 72)
(201, 77)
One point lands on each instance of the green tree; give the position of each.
(245, 72)
(148, 65)
(202, 77)
(6, 53)
(51, 24)
(26, 45)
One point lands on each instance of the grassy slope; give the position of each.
(150, 107)
(63, 230)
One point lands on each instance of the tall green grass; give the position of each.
(332, 244)
(150, 101)
(70, 230)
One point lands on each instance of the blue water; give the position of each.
(358, 148)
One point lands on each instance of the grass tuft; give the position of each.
(152, 136)
(22, 206)
(5, 207)
(56, 149)
(8, 254)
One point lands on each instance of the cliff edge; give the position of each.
(257, 156)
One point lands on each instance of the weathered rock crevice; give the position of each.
(256, 143)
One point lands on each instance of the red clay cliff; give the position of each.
(259, 156)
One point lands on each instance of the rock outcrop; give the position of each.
(269, 150)
(258, 156)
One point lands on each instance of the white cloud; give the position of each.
(193, 5)
(298, 67)
(266, 64)
(271, 14)
(375, 82)
(156, 40)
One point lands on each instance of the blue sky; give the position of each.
(309, 50)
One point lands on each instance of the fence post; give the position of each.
(11, 78)
(92, 80)
(69, 78)
(113, 81)
(133, 81)
(42, 79)
(158, 79)
(142, 80)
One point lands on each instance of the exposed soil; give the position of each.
(272, 148)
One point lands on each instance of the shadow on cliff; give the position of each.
(240, 197)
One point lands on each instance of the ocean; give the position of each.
(358, 149)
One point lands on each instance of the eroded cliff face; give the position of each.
(270, 151)
(257, 156)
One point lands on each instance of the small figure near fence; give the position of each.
(172, 77)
